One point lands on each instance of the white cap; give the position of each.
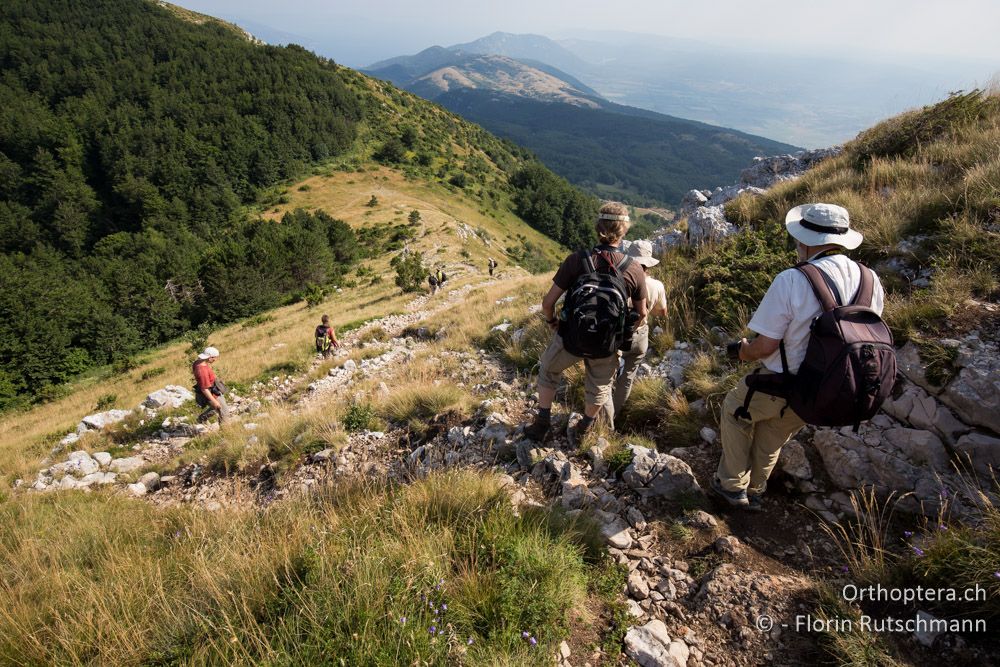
(209, 353)
(822, 224)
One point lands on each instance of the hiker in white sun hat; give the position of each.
(754, 431)
(641, 252)
(817, 225)
(209, 391)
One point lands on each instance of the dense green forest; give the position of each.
(617, 152)
(133, 146)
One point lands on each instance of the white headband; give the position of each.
(612, 216)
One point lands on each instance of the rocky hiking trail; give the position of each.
(705, 586)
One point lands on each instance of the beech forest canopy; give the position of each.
(129, 143)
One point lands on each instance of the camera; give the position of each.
(733, 350)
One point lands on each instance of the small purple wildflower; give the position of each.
(845, 569)
(469, 642)
(402, 619)
(942, 527)
(907, 533)
(441, 631)
(532, 641)
(525, 635)
(918, 551)
(432, 630)
(444, 607)
(944, 492)
(997, 574)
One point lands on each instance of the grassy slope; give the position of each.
(26, 437)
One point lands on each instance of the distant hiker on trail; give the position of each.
(326, 338)
(433, 282)
(441, 276)
(656, 298)
(605, 294)
(209, 391)
(803, 331)
(492, 264)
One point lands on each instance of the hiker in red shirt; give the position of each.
(208, 389)
(326, 338)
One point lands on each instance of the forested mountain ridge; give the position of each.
(134, 146)
(611, 150)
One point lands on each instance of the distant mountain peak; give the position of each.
(502, 74)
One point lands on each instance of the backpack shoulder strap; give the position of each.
(588, 261)
(623, 265)
(819, 286)
(867, 289)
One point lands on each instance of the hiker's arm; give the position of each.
(210, 397)
(640, 309)
(333, 337)
(549, 305)
(758, 348)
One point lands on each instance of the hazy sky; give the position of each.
(358, 33)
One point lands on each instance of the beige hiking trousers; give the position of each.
(599, 377)
(750, 449)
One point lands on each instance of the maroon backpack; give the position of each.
(850, 363)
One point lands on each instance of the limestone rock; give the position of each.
(708, 223)
(914, 406)
(127, 464)
(898, 459)
(766, 171)
(692, 200)
(615, 533)
(728, 545)
(137, 489)
(79, 464)
(983, 451)
(658, 474)
(103, 459)
(792, 461)
(650, 646)
(151, 480)
(637, 586)
(975, 393)
(171, 396)
(97, 421)
(635, 519)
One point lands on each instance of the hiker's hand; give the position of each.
(217, 405)
(553, 323)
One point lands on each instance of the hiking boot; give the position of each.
(538, 429)
(755, 503)
(734, 498)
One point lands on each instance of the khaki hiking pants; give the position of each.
(750, 449)
(599, 378)
(222, 412)
(626, 376)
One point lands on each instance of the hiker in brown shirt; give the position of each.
(601, 364)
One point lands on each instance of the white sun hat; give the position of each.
(642, 252)
(822, 224)
(209, 353)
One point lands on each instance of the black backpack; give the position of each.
(850, 363)
(596, 308)
(322, 339)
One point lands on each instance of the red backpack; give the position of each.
(850, 363)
